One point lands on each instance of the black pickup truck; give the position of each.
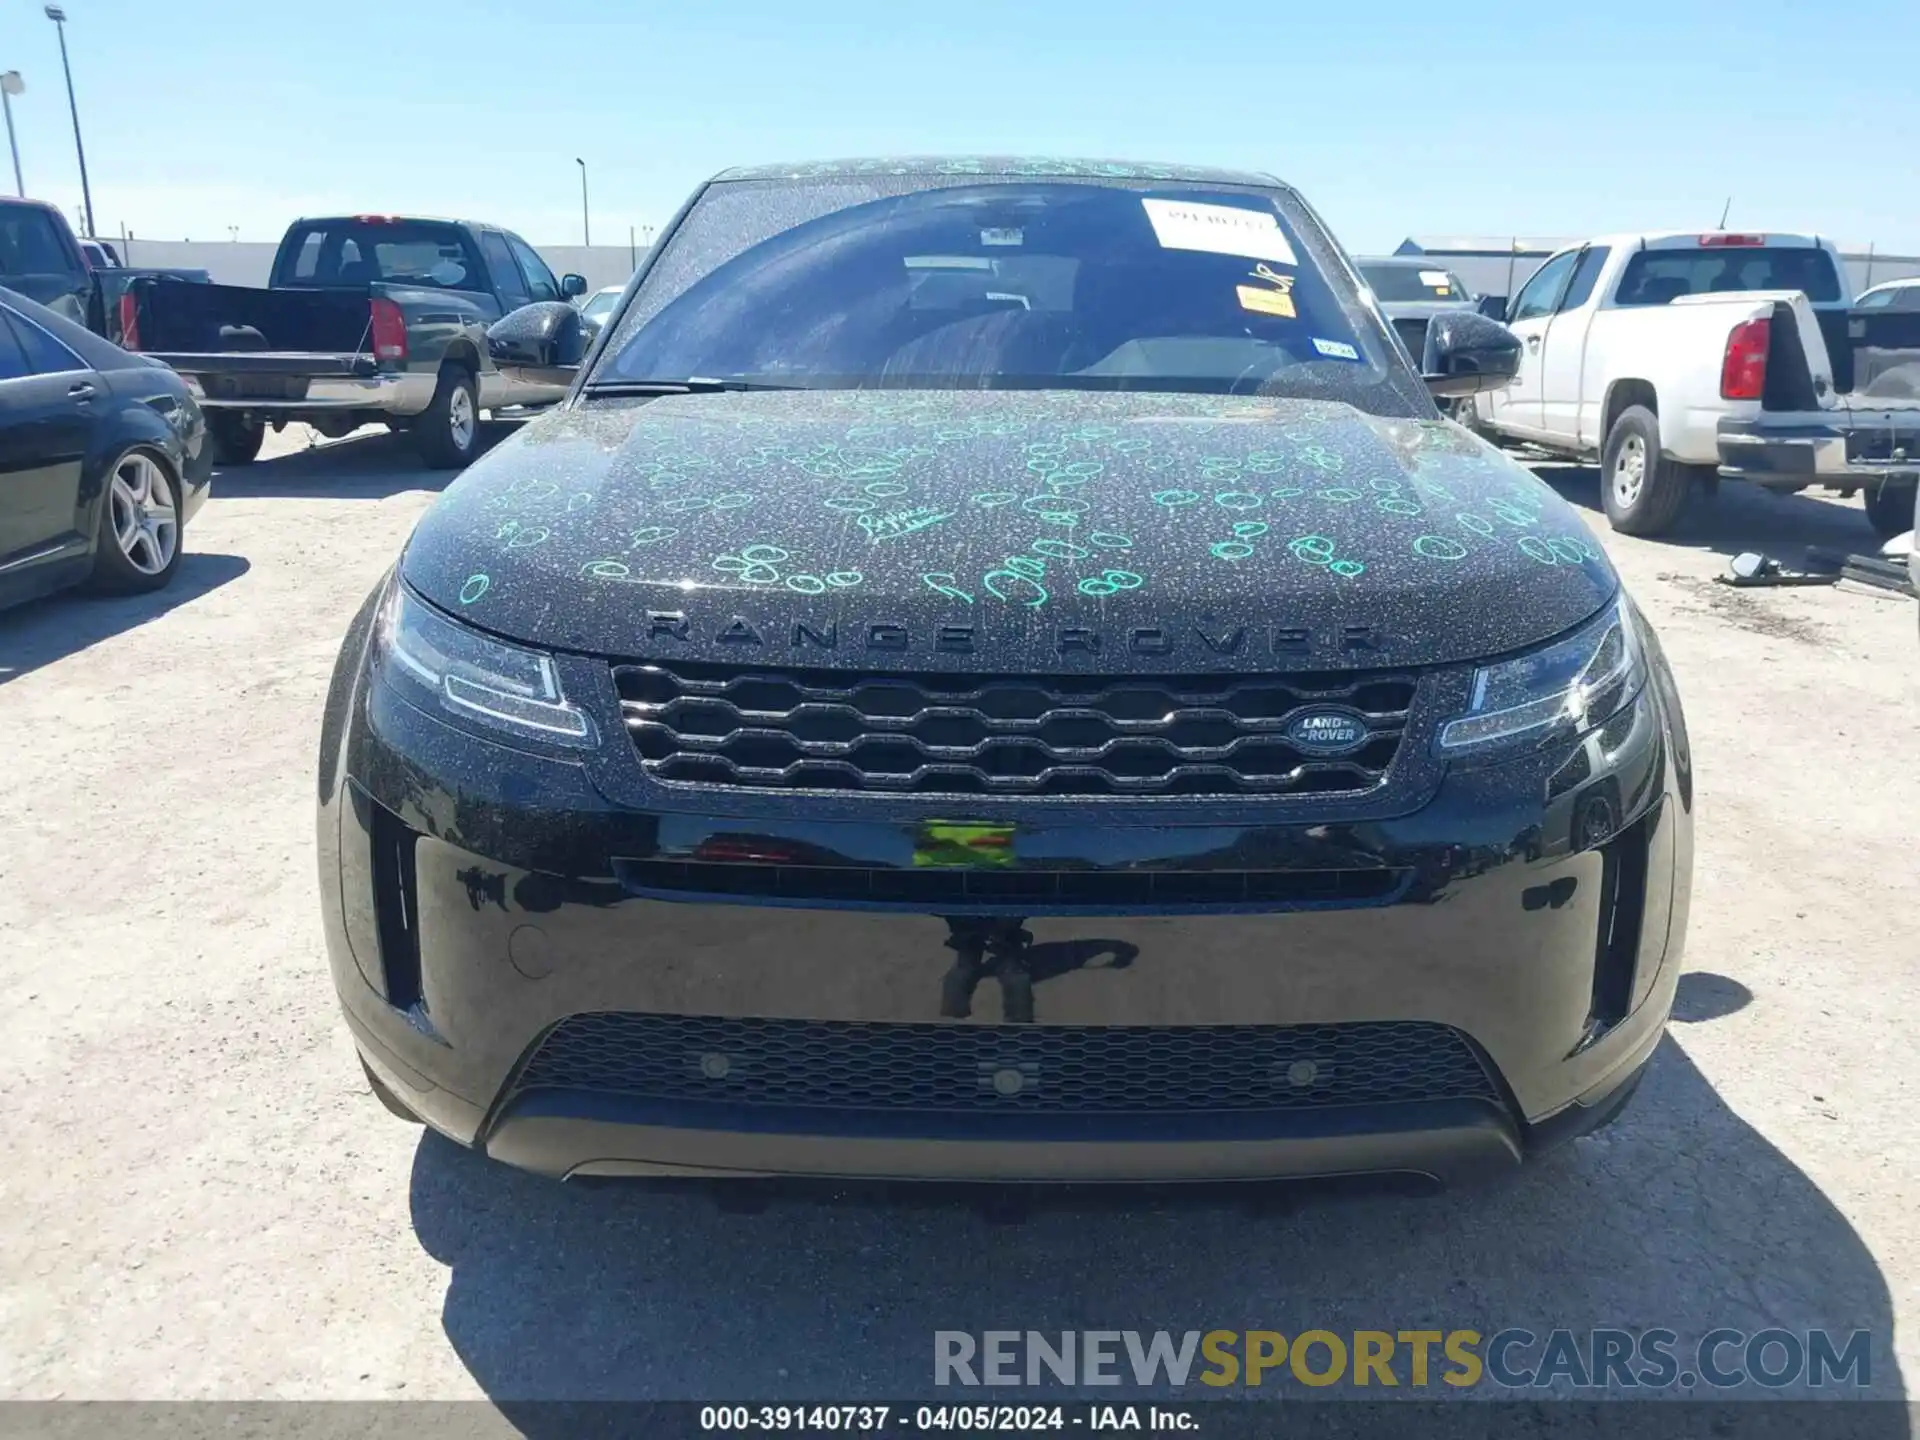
(365, 319)
(41, 258)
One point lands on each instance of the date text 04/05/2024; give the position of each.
(804, 1419)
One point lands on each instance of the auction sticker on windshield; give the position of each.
(1220, 229)
(1267, 302)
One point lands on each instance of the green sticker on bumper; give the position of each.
(949, 843)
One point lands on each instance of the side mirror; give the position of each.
(1467, 353)
(1494, 307)
(542, 343)
(571, 285)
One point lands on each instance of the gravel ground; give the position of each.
(204, 1201)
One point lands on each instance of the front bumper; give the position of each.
(1807, 450)
(579, 984)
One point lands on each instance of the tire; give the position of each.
(1890, 507)
(137, 539)
(447, 432)
(386, 1097)
(1642, 492)
(236, 438)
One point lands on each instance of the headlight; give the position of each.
(1566, 688)
(475, 677)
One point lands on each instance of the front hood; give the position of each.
(1007, 531)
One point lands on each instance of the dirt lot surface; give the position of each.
(202, 1199)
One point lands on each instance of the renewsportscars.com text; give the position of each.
(1602, 1358)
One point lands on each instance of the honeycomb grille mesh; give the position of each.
(962, 1068)
(1024, 735)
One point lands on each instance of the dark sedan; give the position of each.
(103, 459)
(999, 670)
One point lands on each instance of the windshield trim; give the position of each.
(1090, 384)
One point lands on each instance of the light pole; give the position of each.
(59, 18)
(586, 228)
(11, 85)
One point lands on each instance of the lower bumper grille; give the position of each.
(1034, 1069)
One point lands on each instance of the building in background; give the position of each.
(1500, 265)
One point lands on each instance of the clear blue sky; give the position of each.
(1539, 119)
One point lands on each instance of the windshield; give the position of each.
(1007, 283)
(1893, 297)
(1398, 283)
(1658, 277)
(349, 253)
(601, 305)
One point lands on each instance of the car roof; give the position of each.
(1903, 282)
(1679, 239)
(998, 167)
(382, 217)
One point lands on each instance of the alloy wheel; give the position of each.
(145, 523)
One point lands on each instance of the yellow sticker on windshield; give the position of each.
(1266, 302)
(947, 843)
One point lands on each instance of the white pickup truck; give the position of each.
(1678, 359)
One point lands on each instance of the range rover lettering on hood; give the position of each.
(898, 637)
(1007, 530)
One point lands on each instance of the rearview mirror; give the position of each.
(571, 285)
(542, 343)
(1494, 307)
(1467, 353)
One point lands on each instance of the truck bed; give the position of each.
(1883, 348)
(1871, 359)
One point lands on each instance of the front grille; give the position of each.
(961, 1068)
(1022, 735)
(1050, 890)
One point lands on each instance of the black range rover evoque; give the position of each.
(999, 670)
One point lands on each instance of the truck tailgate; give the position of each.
(1810, 429)
(1882, 431)
(220, 319)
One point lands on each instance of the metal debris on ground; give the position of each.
(1752, 569)
(1871, 570)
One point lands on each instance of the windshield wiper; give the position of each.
(692, 386)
